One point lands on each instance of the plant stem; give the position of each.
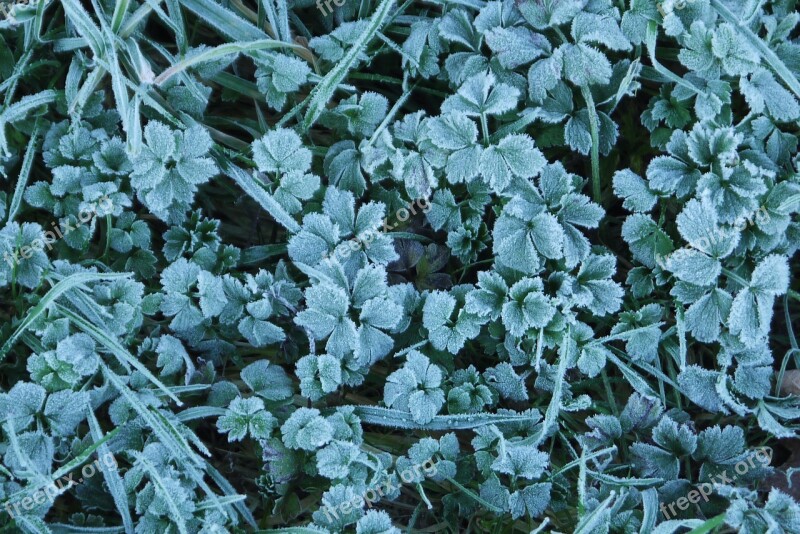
(109, 226)
(413, 520)
(390, 116)
(792, 339)
(736, 278)
(594, 127)
(560, 34)
(612, 399)
(425, 499)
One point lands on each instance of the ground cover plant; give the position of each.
(385, 266)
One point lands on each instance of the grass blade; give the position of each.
(113, 345)
(218, 52)
(169, 437)
(111, 476)
(257, 193)
(324, 90)
(709, 525)
(375, 415)
(224, 20)
(72, 281)
(595, 519)
(635, 380)
(86, 27)
(59, 528)
(650, 505)
(83, 456)
(756, 42)
(200, 412)
(120, 10)
(24, 173)
(19, 110)
(226, 487)
(554, 408)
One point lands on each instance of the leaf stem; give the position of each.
(560, 34)
(736, 278)
(391, 115)
(612, 399)
(422, 494)
(594, 127)
(485, 129)
(109, 226)
(792, 339)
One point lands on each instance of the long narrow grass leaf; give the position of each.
(85, 26)
(218, 52)
(18, 110)
(392, 418)
(324, 90)
(72, 281)
(257, 193)
(24, 173)
(111, 474)
(116, 348)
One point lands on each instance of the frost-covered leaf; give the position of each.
(246, 417)
(416, 388)
(634, 190)
(281, 151)
(751, 311)
(542, 14)
(698, 385)
(516, 45)
(482, 94)
(448, 330)
(647, 241)
(584, 65)
(762, 92)
(267, 381)
(694, 267)
(21, 404)
(306, 429)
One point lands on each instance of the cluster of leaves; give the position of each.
(504, 265)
